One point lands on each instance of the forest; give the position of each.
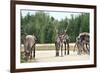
(45, 27)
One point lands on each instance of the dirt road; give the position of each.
(46, 53)
(49, 56)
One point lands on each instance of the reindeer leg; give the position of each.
(31, 53)
(84, 48)
(61, 50)
(67, 48)
(57, 52)
(34, 51)
(26, 56)
(87, 47)
(57, 49)
(79, 49)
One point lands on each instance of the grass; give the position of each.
(40, 47)
(45, 47)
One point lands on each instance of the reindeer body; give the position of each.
(30, 42)
(59, 41)
(82, 42)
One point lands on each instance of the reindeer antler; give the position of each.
(67, 27)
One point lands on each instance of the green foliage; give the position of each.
(45, 27)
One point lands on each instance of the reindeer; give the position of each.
(61, 39)
(30, 41)
(58, 44)
(82, 42)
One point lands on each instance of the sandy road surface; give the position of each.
(46, 53)
(49, 56)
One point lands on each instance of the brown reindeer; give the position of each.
(61, 39)
(58, 44)
(66, 42)
(82, 43)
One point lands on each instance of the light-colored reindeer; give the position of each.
(30, 41)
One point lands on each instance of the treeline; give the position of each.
(45, 27)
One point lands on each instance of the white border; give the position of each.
(37, 65)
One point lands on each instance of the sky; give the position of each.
(57, 15)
